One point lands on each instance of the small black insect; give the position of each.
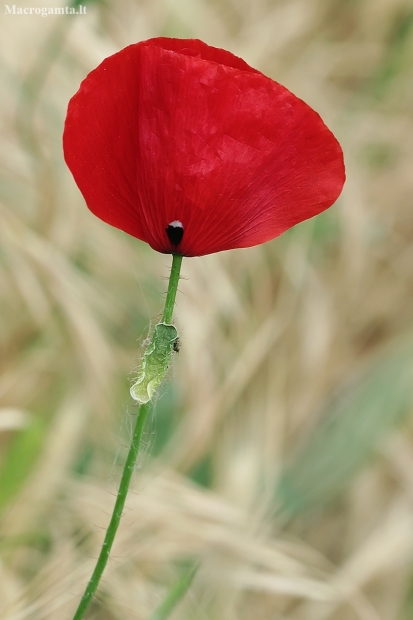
(176, 345)
(175, 232)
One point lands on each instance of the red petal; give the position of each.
(173, 129)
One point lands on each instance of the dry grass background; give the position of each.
(281, 453)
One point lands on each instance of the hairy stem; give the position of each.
(116, 515)
(129, 464)
(172, 289)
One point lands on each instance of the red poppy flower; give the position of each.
(189, 149)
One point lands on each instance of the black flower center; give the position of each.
(175, 232)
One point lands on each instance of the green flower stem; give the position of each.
(130, 460)
(172, 289)
(116, 515)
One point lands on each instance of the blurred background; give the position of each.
(280, 452)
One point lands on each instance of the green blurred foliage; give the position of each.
(351, 430)
(20, 459)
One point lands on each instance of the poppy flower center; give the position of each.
(175, 232)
